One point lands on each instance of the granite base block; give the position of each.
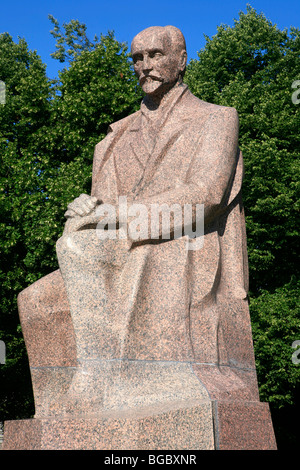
(182, 427)
(208, 425)
(243, 426)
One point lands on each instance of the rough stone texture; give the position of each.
(46, 323)
(220, 425)
(243, 425)
(188, 426)
(128, 325)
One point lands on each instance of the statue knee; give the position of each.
(43, 297)
(46, 322)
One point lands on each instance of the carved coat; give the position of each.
(167, 302)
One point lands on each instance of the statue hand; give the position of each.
(81, 206)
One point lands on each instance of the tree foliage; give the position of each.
(275, 318)
(26, 111)
(72, 41)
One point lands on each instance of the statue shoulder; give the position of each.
(123, 123)
(209, 109)
(114, 129)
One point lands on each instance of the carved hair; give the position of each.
(177, 40)
(176, 37)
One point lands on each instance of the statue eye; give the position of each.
(156, 54)
(137, 58)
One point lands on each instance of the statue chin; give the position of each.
(150, 86)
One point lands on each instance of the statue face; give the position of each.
(157, 62)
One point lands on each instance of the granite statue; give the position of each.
(142, 341)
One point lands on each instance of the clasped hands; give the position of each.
(82, 206)
(82, 213)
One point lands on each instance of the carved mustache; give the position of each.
(152, 77)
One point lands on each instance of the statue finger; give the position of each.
(85, 203)
(83, 197)
(77, 207)
(86, 207)
(91, 202)
(70, 213)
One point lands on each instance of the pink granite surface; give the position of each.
(243, 426)
(183, 427)
(46, 323)
(126, 325)
(216, 425)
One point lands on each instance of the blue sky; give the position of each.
(29, 19)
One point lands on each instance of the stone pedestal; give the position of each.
(206, 425)
(116, 403)
(243, 426)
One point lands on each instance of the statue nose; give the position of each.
(147, 65)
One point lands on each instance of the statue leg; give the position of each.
(49, 338)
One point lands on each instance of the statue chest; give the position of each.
(133, 169)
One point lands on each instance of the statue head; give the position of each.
(159, 57)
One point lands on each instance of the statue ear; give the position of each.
(183, 60)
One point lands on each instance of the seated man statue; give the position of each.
(144, 314)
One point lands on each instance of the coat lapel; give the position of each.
(170, 131)
(137, 143)
(147, 163)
